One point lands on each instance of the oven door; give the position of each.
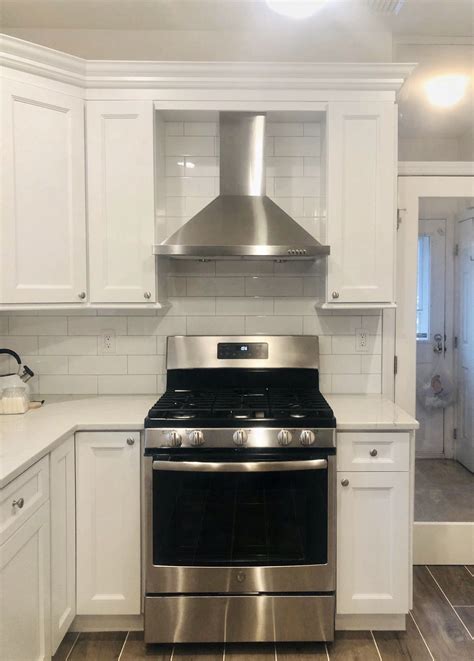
(221, 524)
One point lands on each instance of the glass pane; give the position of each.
(235, 519)
(423, 302)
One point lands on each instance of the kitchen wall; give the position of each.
(225, 297)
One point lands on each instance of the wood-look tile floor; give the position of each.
(440, 628)
(444, 491)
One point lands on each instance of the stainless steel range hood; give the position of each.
(242, 221)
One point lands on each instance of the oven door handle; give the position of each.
(240, 467)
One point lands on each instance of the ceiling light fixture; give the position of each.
(297, 9)
(446, 91)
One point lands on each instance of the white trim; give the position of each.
(410, 189)
(371, 622)
(112, 74)
(107, 623)
(435, 168)
(443, 543)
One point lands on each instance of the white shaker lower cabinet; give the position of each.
(25, 632)
(108, 523)
(43, 225)
(362, 170)
(63, 540)
(373, 520)
(121, 202)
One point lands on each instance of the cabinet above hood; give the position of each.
(242, 221)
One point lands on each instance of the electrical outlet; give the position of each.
(362, 340)
(108, 341)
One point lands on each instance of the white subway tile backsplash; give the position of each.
(285, 166)
(244, 267)
(312, 128)
(187, 306)
(297, 146)
(38, 325)
(146, 364)
(54, 345)
(190, 186)
(195, 204)
(297, 187)
(223, 286)
(174, 128)
(218, 325)
(357, 384)
(312, 166)
(204, 166)
(98, 364)
(340, 364)
(161, 325)
(176, 286)
(3, 325)
(136, 345)
(130, 384)
(46, 364)
(201, 128)
(189, 146)
(273, 325)
(371, 363)
(245, 305)
(284, 128)
(67, 385)
(96, 325)
(265, 286)
(22, 345)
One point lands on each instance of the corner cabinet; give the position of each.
(361, 190)
(43, 226)
(108, 523)
(121, 203)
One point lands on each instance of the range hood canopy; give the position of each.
(242, 221)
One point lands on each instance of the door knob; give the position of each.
(438, 345)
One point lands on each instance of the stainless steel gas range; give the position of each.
(239, 472)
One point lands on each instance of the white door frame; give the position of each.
(410, 189)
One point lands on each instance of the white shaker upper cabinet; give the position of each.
(42, 228)
(121, 204)
(362, 162)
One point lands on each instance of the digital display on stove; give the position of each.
(239, 351)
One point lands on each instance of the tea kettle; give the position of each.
(18, 378)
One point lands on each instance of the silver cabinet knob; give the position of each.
(345, 482)
(82, 295)
(335, 294)
(18, 503)
(196, 437)
(174, 439)
(147, 295)
(240, 437)
(307, 437)
(130, 441)
(284, 437)
(373, 453)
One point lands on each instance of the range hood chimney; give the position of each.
(242, 221)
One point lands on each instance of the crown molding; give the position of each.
(436, 168)
(115, 74)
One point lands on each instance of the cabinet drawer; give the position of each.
(29, 491)
(379, 451)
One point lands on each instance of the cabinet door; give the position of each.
(43, 239)
(372, 543)
(108, 523)
(362, 163)
(121, 206)
(63, 540)
(25, 591)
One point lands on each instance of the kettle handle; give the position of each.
(11, 353)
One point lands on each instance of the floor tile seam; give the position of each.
(376, 646)
(452, 607)
(73, 646)
(123, 646)
(421, 634)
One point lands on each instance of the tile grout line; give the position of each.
(468, 570)
(73, 646)
(123, 646)
(376, 646)
(172, 652)
(327, 651)
(445, 596)
(422, 636)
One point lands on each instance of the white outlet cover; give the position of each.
(362, 340)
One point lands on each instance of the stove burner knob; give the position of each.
(240, 437)
(307, 437)
(174, 438)
(196, 437)
(284, 437)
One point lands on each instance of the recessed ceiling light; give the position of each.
(446, 91)
(297, 9)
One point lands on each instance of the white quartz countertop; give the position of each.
(24, 439)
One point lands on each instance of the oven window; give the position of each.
(234, 519)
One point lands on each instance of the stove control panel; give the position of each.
(250, 437)
(242, 350)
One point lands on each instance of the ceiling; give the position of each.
(421, 17)
(438, 34)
